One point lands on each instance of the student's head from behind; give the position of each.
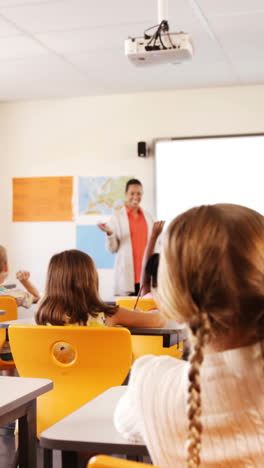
(133, 192)
(71, 289)
(3, 264)
(213, 264)
(70, 272)
(151, 272)
(211, 276)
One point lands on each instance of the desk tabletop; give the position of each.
(16, 391)
(25, 321)
(170, 329)
(91, 428)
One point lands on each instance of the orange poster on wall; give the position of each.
(42, 199)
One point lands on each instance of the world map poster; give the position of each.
(100, 195)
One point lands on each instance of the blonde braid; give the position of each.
(201, 334)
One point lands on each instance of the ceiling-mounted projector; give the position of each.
(160, 46)
(168, 48)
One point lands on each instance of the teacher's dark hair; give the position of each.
(132, 182)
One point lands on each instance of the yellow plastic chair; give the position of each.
(142, 345)
(8, 304)
(148, 344)
(2, 337)
(5, 365)
(143, 304)
(103, 461)
(81, 361)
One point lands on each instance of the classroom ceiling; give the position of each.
(69, 48)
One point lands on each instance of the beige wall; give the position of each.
(98, 136)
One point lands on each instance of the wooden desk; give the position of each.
(90, 429)
(18, 401)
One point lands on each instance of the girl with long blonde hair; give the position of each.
(208, 412)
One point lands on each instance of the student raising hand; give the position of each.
(23, 276)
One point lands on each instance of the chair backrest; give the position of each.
(142, 345)
(5, 365)
(82, 362)
(143, 304)
(8, 304)
(103, 461)
(2, 336)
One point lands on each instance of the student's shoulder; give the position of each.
(153, 367)
(17, 294)
(12, 292)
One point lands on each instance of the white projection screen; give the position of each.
(206, 170)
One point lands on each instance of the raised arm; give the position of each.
(23, 276)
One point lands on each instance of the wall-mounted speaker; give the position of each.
(142, 149)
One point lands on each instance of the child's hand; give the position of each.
(23, 275)
(157, 228)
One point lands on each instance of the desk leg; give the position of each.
(47, 458)
(166, 341)
(27, 442)
(69, 459)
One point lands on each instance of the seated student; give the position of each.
(71, 297)
(23, 297)
(211, 276)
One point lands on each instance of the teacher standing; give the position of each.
(127, 235)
